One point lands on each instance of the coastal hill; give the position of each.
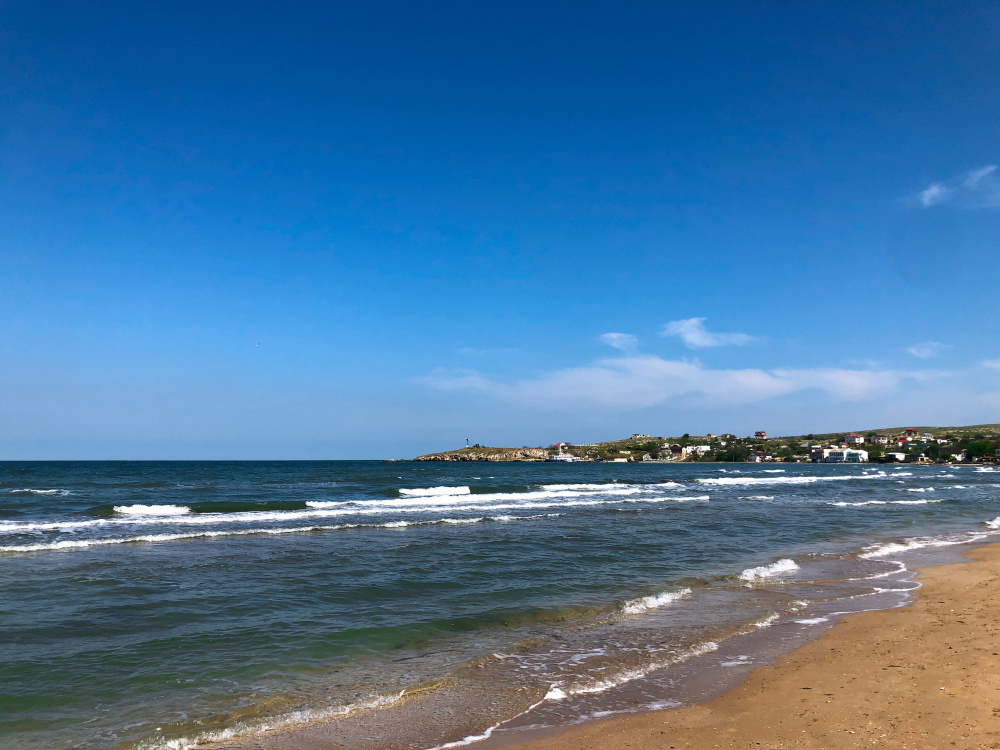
(723, 447)
(480, 453)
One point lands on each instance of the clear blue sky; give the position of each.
(338, 230)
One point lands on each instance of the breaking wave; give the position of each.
(786, 480)
(216, 533)
(769, 571)
(30, 491)
(646, 603)
(435, 491)
(152, 510)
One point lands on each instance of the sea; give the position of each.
(372, 605)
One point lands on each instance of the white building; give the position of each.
(696, 450)
(880, 439)
(854, 439)
(838, 455)
(637, 436)
(845, 456)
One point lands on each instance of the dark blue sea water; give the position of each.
(167, 604)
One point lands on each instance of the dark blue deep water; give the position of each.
(159, 604)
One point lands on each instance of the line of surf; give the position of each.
(216, 533)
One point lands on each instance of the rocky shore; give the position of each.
(487, 454)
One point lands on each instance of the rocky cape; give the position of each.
(488, 454)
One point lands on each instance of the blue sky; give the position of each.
(348, 230)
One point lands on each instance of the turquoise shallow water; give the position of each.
(149, 603)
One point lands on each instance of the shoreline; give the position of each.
(721, 682)
(926, 675)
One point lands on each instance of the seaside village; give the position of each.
(906, 445)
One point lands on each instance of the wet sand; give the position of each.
(924, 676)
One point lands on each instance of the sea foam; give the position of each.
(769, 571)
(152, 510)
(646, 603)
(434, 491)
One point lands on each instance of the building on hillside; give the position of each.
(727, 436)
(838, 454)
(910, 432)
(854, 439)
(760, 435)
(696, 450)
(755, 458)
(926, 436)
(710, 435)
(845, 456)
(637, 436)
(880, 439)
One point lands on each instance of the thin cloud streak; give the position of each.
(693, 333)
(636, 382)
(626, 342)
(927, 349)
(977, 188)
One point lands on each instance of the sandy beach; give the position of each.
(924, 676)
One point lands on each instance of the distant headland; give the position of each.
(966, 444)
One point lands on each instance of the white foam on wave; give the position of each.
(908, 545)
(785, 480)
(675, 499)
(560, 691)
(646, 603)
(435, 491)
(920, 489)
(453, 498)
(562, 487)
(812, 620)
(30, 491)
(774, 471)
(216, 533)
(785, 565)
(884, 502)
(757, 497)
(152, 510)
(336, 509)
(284, 721)
(985, 469)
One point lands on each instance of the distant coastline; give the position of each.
(973, 444)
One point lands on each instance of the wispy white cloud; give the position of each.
(933, 194)
(977, 188)
(635, 382)
(993, 364)
(694, 334)
(624, 341)
(927, 349)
